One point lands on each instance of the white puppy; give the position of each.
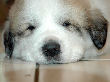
(56, 31)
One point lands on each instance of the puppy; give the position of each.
(56, 31)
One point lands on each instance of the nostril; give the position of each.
(51, 49)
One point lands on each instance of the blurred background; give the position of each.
(4, 7)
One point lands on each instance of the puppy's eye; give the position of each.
(31, 28)
(66, 23)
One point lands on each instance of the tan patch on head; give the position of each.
(78, 3)
(78, 11)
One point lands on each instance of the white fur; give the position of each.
(45, 14)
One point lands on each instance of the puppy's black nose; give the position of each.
(51, 49)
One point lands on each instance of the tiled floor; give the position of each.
(83, 71)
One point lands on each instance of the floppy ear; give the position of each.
(9, 41)
(98, 29)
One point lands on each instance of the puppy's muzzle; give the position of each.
(51, 49)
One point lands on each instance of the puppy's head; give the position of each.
(53, 31)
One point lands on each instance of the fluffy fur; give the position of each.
(77, 41)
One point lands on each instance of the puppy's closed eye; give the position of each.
(66, 24)
(31, 28)
(25, 30)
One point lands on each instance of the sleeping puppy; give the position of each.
(56, 31)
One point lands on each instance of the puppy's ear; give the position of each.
(8, 40)
(98, 29)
